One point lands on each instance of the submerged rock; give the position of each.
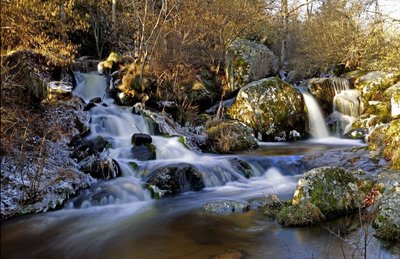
(226, 207)
(229, 136)
(325, 193)
(247, 61)
(271, 107)
(173, 179)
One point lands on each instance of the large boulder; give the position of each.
(230, 136)
(387, 220)
(271, 107)
(325, 89)
(247, 61)
(374, 83)
(173, 179)
(325, 193)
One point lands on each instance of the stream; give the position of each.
(118, 219)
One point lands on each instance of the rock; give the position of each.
(271, 107)
(325, 192)
(58, 90)
(294, 77)
(374, 83)
(349, 158)
(241, 166)
(144, 152)
(89, 106)
(352, 76)
(325, 89)
(204, 89)
(339, 123)
(387, 220)
(391, 150)
(110, 65)
(88, 147)
(359, 133)
(140, 139)
(229, 136)
(100, 168)
(301, 215)
(229, 254)
(393, 93)
(25, 64)
(226, 207)
(271, 206)
(95, 100)
(247, 61)
(173, 179)
(221, 107)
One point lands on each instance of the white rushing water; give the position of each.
(316, 119)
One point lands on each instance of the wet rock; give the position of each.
(247, 61)
(271, 206)
(173, 179)
(140, 139)
(301, 215)
(100, 168)
(144, 152)
(294, 77)
(271, 107)
(229, 136)
(95, 100)
(58, 90)
(89, 106)
(359, 133)
(349, 158)
(88, 147)
(387, 220)
(349, 103)
(226, 207)
(325, 89)
(241, 166)
(325, 192)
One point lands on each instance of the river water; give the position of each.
(118, 219)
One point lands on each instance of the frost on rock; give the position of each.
(33, 182)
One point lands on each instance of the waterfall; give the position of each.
(348, 102)
(316, 119)
(340, 84)
(90, 85)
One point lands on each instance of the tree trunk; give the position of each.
(285, 20)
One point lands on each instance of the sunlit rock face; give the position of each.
(325, 89)
(247, 61)
(271, 107)
(393, 93)
(374, 83)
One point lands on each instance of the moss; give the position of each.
(150, 147)
(182, 140)
(133, 165)
(302, 215)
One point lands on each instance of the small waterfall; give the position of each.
(340, 84)
(90, 85)
(348, 102)
(317, 123)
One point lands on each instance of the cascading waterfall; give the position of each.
(339, 84)
(316, 119)
(117, 124)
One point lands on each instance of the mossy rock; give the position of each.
(333, 190)
(373, 84)
(392, 144)
(271, 107)
(387, 220)
(247, 61)
(301, 215)
(229, 136)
